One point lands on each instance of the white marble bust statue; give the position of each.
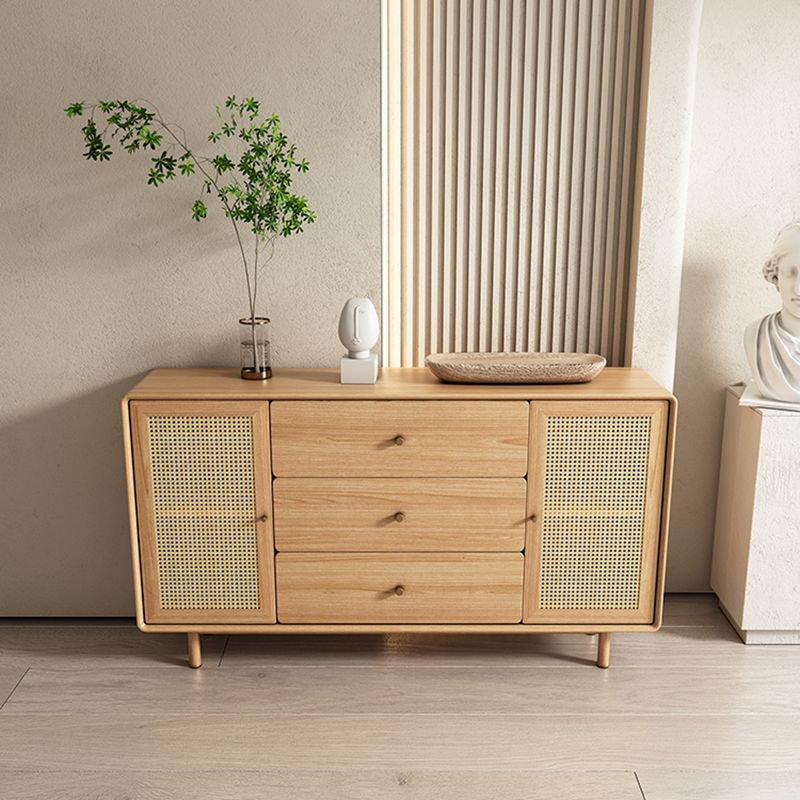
(772, 344)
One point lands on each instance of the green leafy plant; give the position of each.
(251, 175)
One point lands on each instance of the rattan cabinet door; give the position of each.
(203, 507)
(595, 483)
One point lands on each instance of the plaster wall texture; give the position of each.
(756, 563)
(103, 277)
(665, 177)
(743, 179)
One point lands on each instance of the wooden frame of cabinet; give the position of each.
(185, 391)
(257, 412)
(657, 413)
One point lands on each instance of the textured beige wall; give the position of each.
(665, 176)
(743, 185)
(102, 278)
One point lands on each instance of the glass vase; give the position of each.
(254, 348)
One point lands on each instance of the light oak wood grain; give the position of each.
(96, 647)
(480, 431)
(399, 438)
(459, 740)
(399, 587)
(133, 517)
(603, 650)
(10, 676)
(694, 712)
(389, 628)
(414, 688)
(460, 515)
(400, 384)
(307, 784)
(699, 647)
(195, 650)
(666, 505)
(151, 591)
(651, 516)
(715, 784)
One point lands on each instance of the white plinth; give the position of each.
(359, 370)
(756, 565)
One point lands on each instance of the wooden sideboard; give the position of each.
(300, 505)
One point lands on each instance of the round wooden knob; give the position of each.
(398, 590)
(398, 440)
(262, 518)
(399, 516)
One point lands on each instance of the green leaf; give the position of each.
(259, 173)
(250, 105)
(199, 210)
(149, 138)
(155, 178)
(222, 164)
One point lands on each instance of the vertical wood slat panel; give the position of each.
(476, 172)
(528, 88)
(484, 309)
(409, 148)
(512, 146)
(501, 175)
(539, 155)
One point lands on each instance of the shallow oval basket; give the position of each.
(515, 367)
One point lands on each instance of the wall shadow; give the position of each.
(63, 508)
(700, 382)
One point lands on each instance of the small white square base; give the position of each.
(359, 370)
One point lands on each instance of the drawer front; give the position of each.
(398, 514)
(399, 588)
(399, 438)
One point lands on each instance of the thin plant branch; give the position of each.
(252, 185)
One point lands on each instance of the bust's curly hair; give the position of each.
(779, 249)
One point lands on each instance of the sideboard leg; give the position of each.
(603, 650)
(195, 654)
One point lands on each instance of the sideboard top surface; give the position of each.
(399, 383)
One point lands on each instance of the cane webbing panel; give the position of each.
(595, 488)
(203, 490)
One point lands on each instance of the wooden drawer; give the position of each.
(400, 514)
(399, 588)
(399, 438)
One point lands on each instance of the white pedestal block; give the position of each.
(359, 370)
(756, 565)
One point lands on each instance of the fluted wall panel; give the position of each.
(511, 156)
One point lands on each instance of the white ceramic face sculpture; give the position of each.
(772, 344)
(359, 327)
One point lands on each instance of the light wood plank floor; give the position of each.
(96, 710)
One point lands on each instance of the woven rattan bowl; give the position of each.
(515, 367)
